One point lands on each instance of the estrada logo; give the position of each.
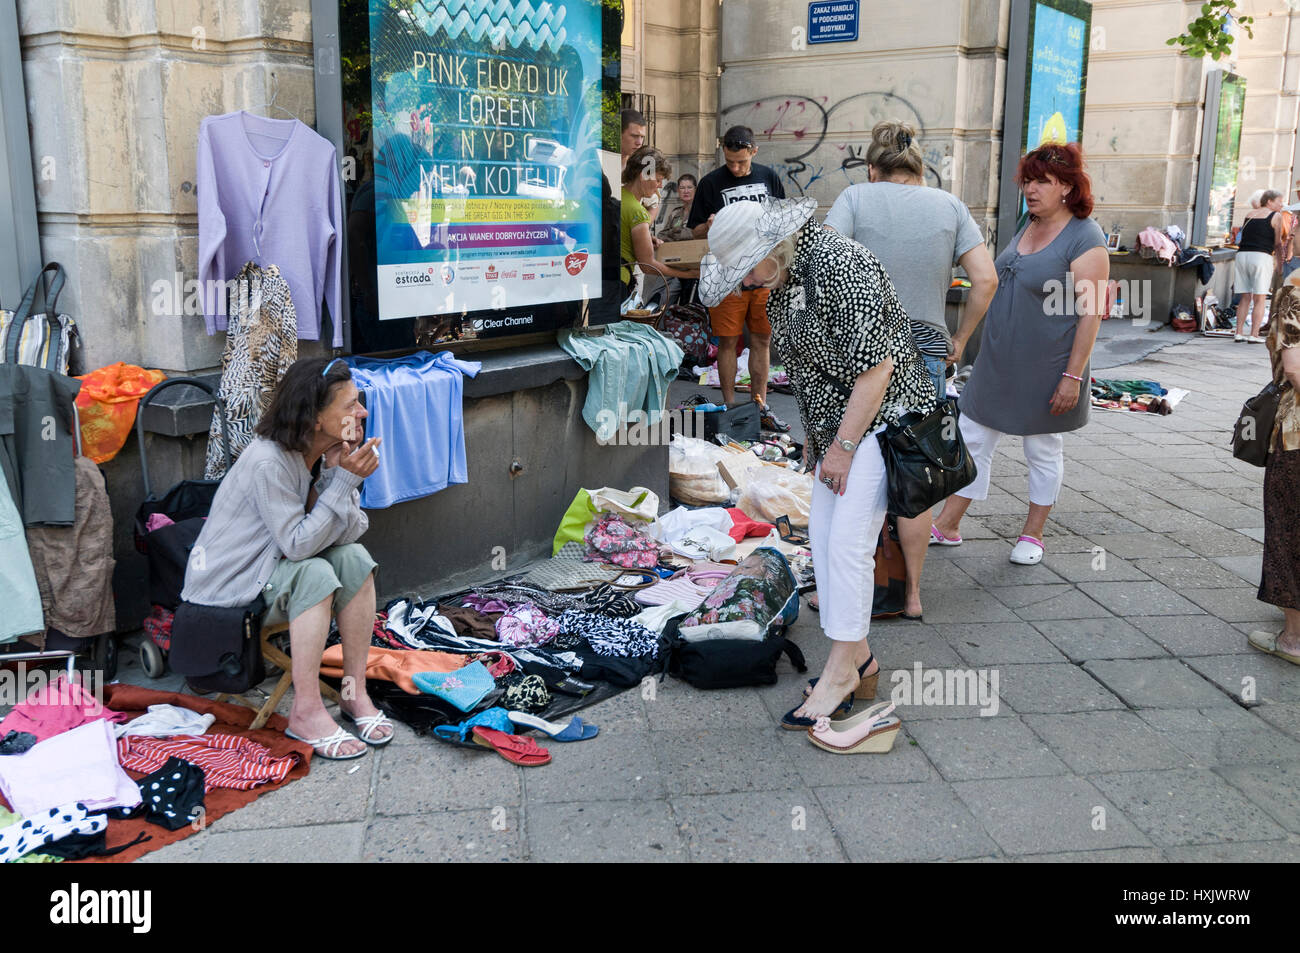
(448, 274)
(415, 278)
(575, 262)
(74, 906)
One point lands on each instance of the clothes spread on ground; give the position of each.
(612, 539)
(619, 638)
(74, 565)
(524, 693)
(415, 405)
(629, 369)
(228, 761)
(40, 828)
(469, 621)
(269, 191)
(525, 625)
(76, 765)
(166, 721)
(173, 795)
(1113, 390)
(16, 742)
(398, 666)
(59, 706)
(407, 624)
(37, 459)
(261, 343)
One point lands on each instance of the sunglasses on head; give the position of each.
(734, 144)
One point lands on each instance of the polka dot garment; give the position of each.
(836, 317)
(46, 827)
(173, 795)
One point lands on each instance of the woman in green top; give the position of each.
(643, 176)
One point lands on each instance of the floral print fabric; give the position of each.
(611, 539)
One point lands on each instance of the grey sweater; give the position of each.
(259, 516)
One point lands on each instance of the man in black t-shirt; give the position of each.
(739, 180)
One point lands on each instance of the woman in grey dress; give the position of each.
(1031, 376)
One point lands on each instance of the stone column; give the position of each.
(115, 92)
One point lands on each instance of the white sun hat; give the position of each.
(742, 235)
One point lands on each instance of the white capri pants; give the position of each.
(1044, 452)
(842, 532)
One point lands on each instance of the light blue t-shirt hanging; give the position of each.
(415, 406)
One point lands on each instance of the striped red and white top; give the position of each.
(228, 761)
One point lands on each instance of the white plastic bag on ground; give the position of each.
(693, 476)
(637, 503)
(770, 492)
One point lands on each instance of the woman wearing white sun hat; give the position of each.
(847, 346)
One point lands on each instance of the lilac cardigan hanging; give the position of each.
(269, 192)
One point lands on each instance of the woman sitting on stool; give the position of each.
(284, 523)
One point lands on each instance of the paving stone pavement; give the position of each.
(1133, 721)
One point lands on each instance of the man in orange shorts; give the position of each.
(729, 320)
(739, 179)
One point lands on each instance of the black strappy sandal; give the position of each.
(866, 685)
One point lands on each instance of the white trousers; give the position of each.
(842, 533)
(1044, 452)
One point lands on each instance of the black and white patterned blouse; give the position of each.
(837, 316)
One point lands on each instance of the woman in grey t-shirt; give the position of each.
(1031, 375)
(918, 233)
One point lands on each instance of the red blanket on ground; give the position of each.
(232, 720)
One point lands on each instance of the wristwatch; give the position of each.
(848, 445)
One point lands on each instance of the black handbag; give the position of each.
(216, 649)
(1253, 432)
(926, 460)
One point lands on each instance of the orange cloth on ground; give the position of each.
(106, 405)
(394, 665)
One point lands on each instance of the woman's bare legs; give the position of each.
(914, 539)
(307, 715)
(356, 623)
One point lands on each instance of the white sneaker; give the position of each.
(1027, 551)
(1255, 339)
(1238, 338)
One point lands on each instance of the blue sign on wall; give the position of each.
(833, 21)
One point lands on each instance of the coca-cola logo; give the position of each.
(575, 262)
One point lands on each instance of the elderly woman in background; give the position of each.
(1279, 582)
(918, 234)
(854, 367)
(1263, 231)
(672, 221)
(1031, 375)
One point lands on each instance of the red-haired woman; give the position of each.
(1031, 376)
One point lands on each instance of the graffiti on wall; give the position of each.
(820, 164)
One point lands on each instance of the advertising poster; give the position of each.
(1058, 47)
(486, 118)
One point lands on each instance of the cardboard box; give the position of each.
(685, 254)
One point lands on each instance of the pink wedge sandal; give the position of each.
(873, 731)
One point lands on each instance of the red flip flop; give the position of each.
(517, 750)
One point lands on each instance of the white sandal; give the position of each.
(328, 747)
(368, 724)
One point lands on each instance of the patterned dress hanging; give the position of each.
(261, 343)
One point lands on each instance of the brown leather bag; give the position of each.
(891, 574)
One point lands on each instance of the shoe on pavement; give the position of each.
(1027, 551)
(769, 420)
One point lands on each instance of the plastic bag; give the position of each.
(637, 503)
(574, 522)
(770, 492)
(693, 476)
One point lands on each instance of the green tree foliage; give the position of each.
(1208, 34)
